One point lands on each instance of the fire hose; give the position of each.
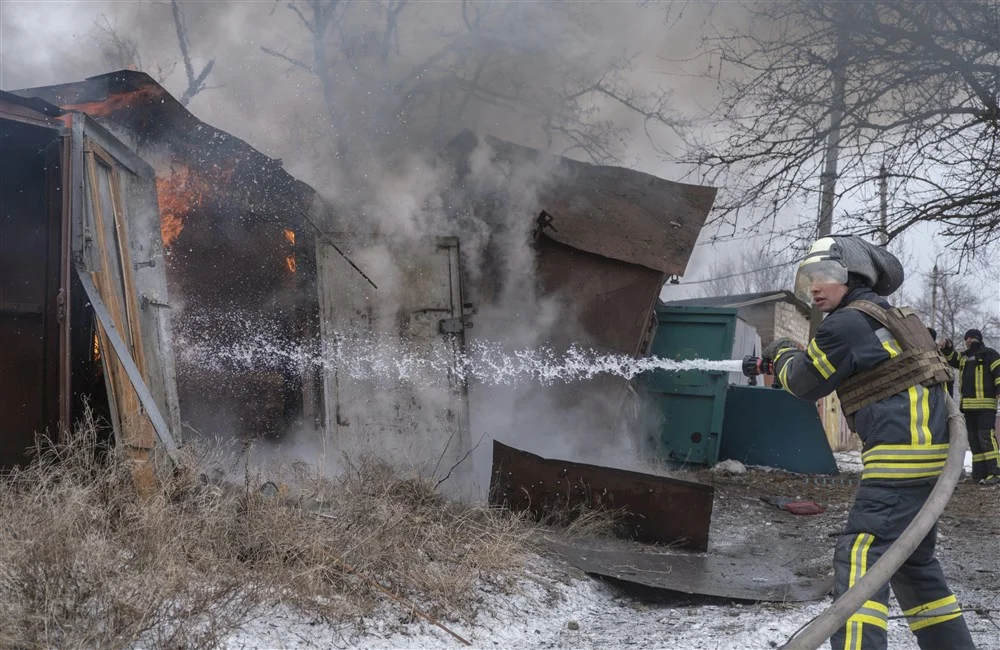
(824, 625)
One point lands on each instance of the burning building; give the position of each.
(246, 248)
(238, 249)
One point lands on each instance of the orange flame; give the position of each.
(181, 192)
(177, 195)
(290, 236)
(118, 101)
(290, 263)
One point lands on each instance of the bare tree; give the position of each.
(748, 273)
(438, 65)
(195, 82)
(921, 86)
(121, 51)
(957, 306)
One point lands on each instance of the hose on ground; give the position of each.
(824, 625)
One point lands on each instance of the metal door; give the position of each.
(31, 272)
(687, 408)
(411, 413)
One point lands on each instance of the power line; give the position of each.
(740, 274)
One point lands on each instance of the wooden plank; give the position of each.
(137, 431)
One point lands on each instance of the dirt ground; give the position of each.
(968, 531)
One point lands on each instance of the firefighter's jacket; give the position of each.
(979, 370)
(905, 436)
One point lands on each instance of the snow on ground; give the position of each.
(557, 607)
(554, 615)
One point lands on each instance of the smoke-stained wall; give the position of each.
(366, 122)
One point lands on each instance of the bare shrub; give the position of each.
(84, 563)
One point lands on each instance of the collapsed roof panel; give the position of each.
(610, 211)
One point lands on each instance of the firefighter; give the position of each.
(979, 372)
(889, 376)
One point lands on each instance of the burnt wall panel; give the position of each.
(29, 281)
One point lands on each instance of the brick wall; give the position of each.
(790, 323)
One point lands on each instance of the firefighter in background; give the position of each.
(979, 372)
(890, 378)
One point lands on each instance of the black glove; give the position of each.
(947, 347)
(776, 346)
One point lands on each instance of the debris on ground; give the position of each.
(795, 506)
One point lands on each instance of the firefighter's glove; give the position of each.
(776, 347)
(947, 347)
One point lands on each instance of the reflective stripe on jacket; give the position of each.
(905, 436)
(979, 370)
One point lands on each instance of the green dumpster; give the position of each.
(685, 410)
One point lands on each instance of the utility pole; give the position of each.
(934, 285)
(883, 191)
(828, 179)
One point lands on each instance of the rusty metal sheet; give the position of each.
(610, 211)
(738, 577)
(656, 508)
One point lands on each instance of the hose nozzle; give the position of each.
(753, 366)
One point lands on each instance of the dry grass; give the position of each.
(84, 564)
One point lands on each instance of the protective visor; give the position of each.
(815, 272)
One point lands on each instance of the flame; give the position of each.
(290, 263)
(177, 195)
(96, 352)
(290, 236)
(183, 191)
(118, 101)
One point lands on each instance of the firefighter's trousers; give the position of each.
(878, 517)
(982, 442)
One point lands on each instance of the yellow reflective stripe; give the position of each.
(986, 455)
(938, 611)
(904, 461)
(921, 430)
(979, 403)
(903, 448)
(995, 365)
(934, 620)
(902, 452)
(859, 564)
(896, 476)
(819, 360)
(859, 557)
(934, 604)
(923, 465)
(920, 414)
(979, 382)
(870, 620)
(783, 376)
(890, 344)
(877, 606)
